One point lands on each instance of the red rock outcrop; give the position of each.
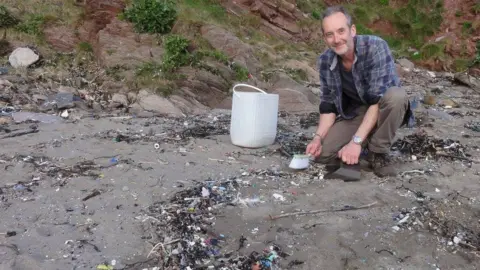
(278, 18)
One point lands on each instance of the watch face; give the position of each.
(357, 139)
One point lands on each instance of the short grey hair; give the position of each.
(334, 9)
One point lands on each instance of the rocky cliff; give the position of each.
(90, 46)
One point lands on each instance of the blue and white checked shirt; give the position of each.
(373, 73)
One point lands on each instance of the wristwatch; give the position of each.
(357, 140)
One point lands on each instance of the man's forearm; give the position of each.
(324, 123)
(369, 121)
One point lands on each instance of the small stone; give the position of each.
(396, 228)
(5, 120)
(449, 103)
(456, 240)
(121, 99)
(66, 89)
(23, 57)
(64, 114)
(125, 188)
(405, 63)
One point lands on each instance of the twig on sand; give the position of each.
(163, 246)
(412, 171)
(301, 213)
(94, 193)
(20, 133)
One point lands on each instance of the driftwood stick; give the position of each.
(301, 213)
(20, 133)
(412, 171)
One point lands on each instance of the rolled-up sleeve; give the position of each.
(326, 107)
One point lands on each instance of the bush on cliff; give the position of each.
(152, 16)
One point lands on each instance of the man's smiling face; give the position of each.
(337, 34)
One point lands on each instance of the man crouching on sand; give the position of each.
(362, 104)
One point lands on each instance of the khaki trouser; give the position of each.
(392, 105)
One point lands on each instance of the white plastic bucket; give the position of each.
(254, 118)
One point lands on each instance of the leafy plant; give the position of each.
(316, 14)
(152, 16)
(467, 27)
(207, 9)
(85, 47)
(241, 72)
(32, 25)
(148, 69)
(419, 19)
(476, 61)
(299, 75)
(308, 5)
(432, 50)
(7, 19)
(476, 8)
(176, 53)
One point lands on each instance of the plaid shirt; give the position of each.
(373, 73)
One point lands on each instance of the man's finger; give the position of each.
(350, 159)
(309, 148)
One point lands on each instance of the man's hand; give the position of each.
(350, 153)
(314, 148)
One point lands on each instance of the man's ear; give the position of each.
(353, 30)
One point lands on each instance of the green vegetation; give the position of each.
(85, 47)
(6, 18)
(204, 10)
(467, 28)
(312, 7)
(432, 51)
(415, 21)
(419, 19)
(151, 16)
(476, 61)
(299, 75)
(33, 25)
(241, 73)
(460, 65)
(476, 8)
(176, 53)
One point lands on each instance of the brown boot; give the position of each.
(383, 165)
